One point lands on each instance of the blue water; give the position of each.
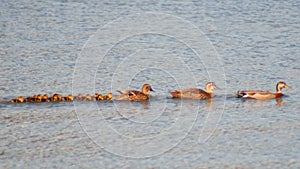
(67, 47)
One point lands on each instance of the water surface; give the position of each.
(244, 45)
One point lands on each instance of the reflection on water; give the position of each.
(263, 103)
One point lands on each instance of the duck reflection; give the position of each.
(259, 103)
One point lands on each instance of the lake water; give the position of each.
(86, 47)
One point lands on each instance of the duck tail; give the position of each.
(239, 94)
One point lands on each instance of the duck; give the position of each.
(263, 95)
(29, 99)
(98, 97)
(20, 99)
(34, 98)
(12, 101)
(95, 97)
(79, 97)
(70, 98)
(88, 97)
(134, 95)
(56, 97)
(45, 98)
(39, 98)
(108, 97)
(195, 93)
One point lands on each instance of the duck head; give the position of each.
(210, 86)
(281, 85)
(146, 88)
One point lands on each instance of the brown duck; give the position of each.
(194, 93)
(134, 95)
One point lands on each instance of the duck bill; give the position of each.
(288, 87)
(152, 90)
(216, 87)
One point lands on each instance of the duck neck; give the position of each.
(278, 89)
(209, 90)
(146, 92)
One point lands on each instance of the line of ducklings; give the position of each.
(144, 94)
(59, 98)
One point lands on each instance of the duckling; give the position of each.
(34, 97)
(20, 99)
(94, 97)
(194, 93)
(263, 95)
(39, 98)
(133, 95)
(13, 100)
(45, 98)
(99, 97)
(70, 98)
(79, 97)
(88, 97)
(56, 97)
(108, 97)
(29, 99)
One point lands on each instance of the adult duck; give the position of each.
(263, 95)
(134, 95)
(195, 93)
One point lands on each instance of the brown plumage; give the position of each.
(70, 98)
(56, 97)
(88, 97)
(45, 98)
(79, 97)
(39, 98)
(108, 96)
(20, 99)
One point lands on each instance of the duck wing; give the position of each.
(137, 95)
(132, 95)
